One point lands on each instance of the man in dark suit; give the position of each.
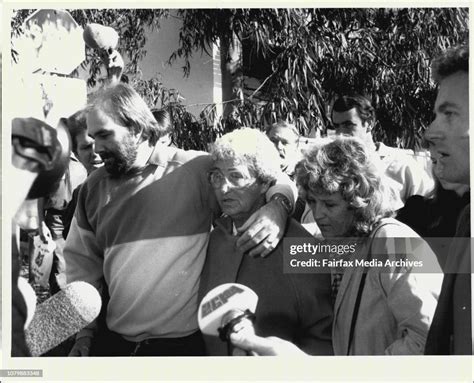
(448, 137)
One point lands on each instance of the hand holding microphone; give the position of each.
(270, 346)
(226, 309)
(235, 321)
(227, 312)
(82, 347)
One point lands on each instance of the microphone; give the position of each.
(61, 316)
(227, 308)
(97, 36)
(43, 150)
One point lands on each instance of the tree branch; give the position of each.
(261, 86)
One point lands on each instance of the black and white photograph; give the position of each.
(218, 183)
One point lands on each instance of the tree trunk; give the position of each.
(232, 74)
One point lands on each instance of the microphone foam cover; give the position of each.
(61, 316)
(97, 36)
(219, 301)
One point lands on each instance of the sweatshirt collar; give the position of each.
(162, 154)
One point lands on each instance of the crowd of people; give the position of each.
(154, 228)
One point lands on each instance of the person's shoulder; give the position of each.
(463, 227)
(416, 205)
(393, 228)
(319, 280)
(418, 213)
(95, 178)
(466, 212)
(77, 172)
(183, 156)
(398, 159)
(295, 229)
(193, 160)
(164, 155)
(388, 151)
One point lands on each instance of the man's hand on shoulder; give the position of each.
(264, 229)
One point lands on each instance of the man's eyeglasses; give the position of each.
(217, 179)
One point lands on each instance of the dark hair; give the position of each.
(363, 106)
(75, 125)
(451, 61)
(125, 107)
(284, 125)
(162, 117)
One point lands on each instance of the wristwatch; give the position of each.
(282, 200)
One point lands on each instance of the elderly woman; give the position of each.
(378, 310)
(295, 307)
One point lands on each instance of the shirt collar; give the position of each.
(226, 224)
(162, 154)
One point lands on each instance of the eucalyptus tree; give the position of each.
(290, 63)
(305, 57)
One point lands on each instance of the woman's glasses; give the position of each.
(234, 178)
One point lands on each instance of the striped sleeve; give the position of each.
(284, 185)
(82, 254)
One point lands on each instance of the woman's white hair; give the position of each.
(249, 147)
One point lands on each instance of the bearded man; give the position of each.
(142, 227)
